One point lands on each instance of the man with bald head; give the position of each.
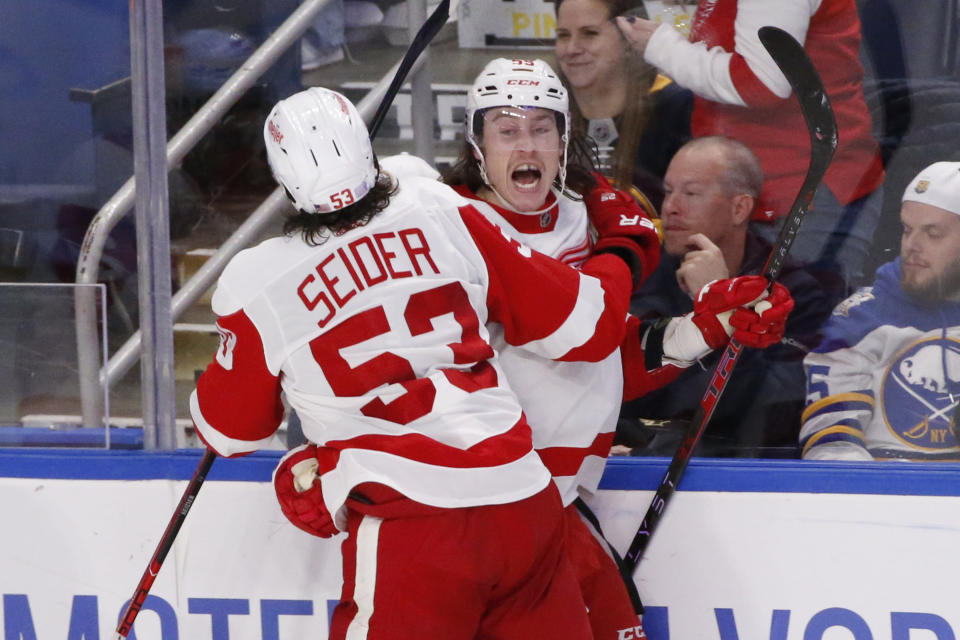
(885, 381)
(711, 190)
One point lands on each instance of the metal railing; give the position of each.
(92, 378)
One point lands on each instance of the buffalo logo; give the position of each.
(922, 185)
(920, 393)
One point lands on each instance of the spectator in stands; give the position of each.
(712, 188)
(323, 42)
(885, 381)
(742, 94)
(637, 118)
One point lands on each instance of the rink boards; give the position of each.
(748, 549)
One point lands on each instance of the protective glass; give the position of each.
(526, 128)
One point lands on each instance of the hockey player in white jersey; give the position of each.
(371, 314)
(520, 166)
(885, 381)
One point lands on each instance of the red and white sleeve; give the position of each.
(738, 72)
(236, 406)
(546, 306)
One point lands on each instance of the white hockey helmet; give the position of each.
(319, 150)
(507, 82)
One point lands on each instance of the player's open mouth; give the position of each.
(526, 177)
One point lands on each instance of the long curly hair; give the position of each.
(315, 228)
(637, 109)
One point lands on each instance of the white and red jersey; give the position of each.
(740, 92)
(378, 338)
(572, 407)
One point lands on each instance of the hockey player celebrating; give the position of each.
(885, 381)
(519, 166)
(300, 499)
(370, 315)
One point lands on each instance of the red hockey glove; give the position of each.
(297, 484)
(763, 325)
(719, 302)
(623, 228)
(722, 309)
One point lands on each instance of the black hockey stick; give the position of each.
(821, 124)
(433, 24)
(166, 542)
(426, 33)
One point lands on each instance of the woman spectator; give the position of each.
(637, 118)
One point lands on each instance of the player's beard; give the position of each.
(939, 288)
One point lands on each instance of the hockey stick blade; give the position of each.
(822, 128)
(164, 546)
(424, 36)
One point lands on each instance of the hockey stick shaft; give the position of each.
(420, 42)
(821, 125)
(163, 547)
(427, 31)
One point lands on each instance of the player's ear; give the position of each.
(743, 205)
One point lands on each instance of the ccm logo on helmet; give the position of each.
(524, 83)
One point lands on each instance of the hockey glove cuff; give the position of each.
(623, 228)
(683, 342)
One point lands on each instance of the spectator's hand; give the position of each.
(297, 483)
(703, 263)
(624, 228)
(637, 31)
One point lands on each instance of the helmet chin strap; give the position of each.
(503, 201)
